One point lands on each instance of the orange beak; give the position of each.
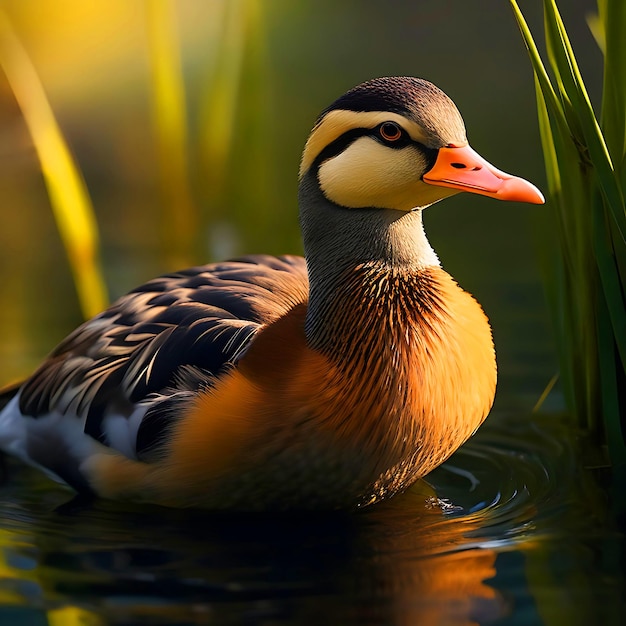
(464, 169)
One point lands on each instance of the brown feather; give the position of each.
(407, 376)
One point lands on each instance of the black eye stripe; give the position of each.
(339, 145)
(343, 141)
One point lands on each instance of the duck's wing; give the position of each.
(122, 373)
(8, 392)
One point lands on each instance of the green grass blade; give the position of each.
(580, 113)
(596, 26)
(590, 140)
(553, 103)
(68, 194)
(612, 17)
(611, 283)
(553, 173)
(612, 381)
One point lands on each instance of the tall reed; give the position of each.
(584, 237)
(179, 219)
(68, 194)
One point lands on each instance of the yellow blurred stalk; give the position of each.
(10, 542)
(74, 616)
(233, 144)
(69, 198)
(179, 223)
(17, 575)
(220, 109)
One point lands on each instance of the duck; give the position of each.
(267, 383)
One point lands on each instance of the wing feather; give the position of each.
(160, 343)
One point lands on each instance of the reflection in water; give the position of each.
(412, 560)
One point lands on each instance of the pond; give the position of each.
(509, 531)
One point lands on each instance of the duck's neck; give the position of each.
(364, 266)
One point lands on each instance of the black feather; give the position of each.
(153, 344)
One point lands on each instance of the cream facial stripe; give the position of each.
(369, 174)
(336, 123)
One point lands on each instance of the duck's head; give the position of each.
(399, 143)
(375, 158)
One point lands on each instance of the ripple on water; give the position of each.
(431, 555)
(508, 479)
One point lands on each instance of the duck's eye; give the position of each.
(390, 131)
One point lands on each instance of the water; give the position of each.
(510, 531)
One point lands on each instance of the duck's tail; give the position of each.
(8, 392)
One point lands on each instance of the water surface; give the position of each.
(509, 531)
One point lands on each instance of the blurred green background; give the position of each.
(221, 179)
